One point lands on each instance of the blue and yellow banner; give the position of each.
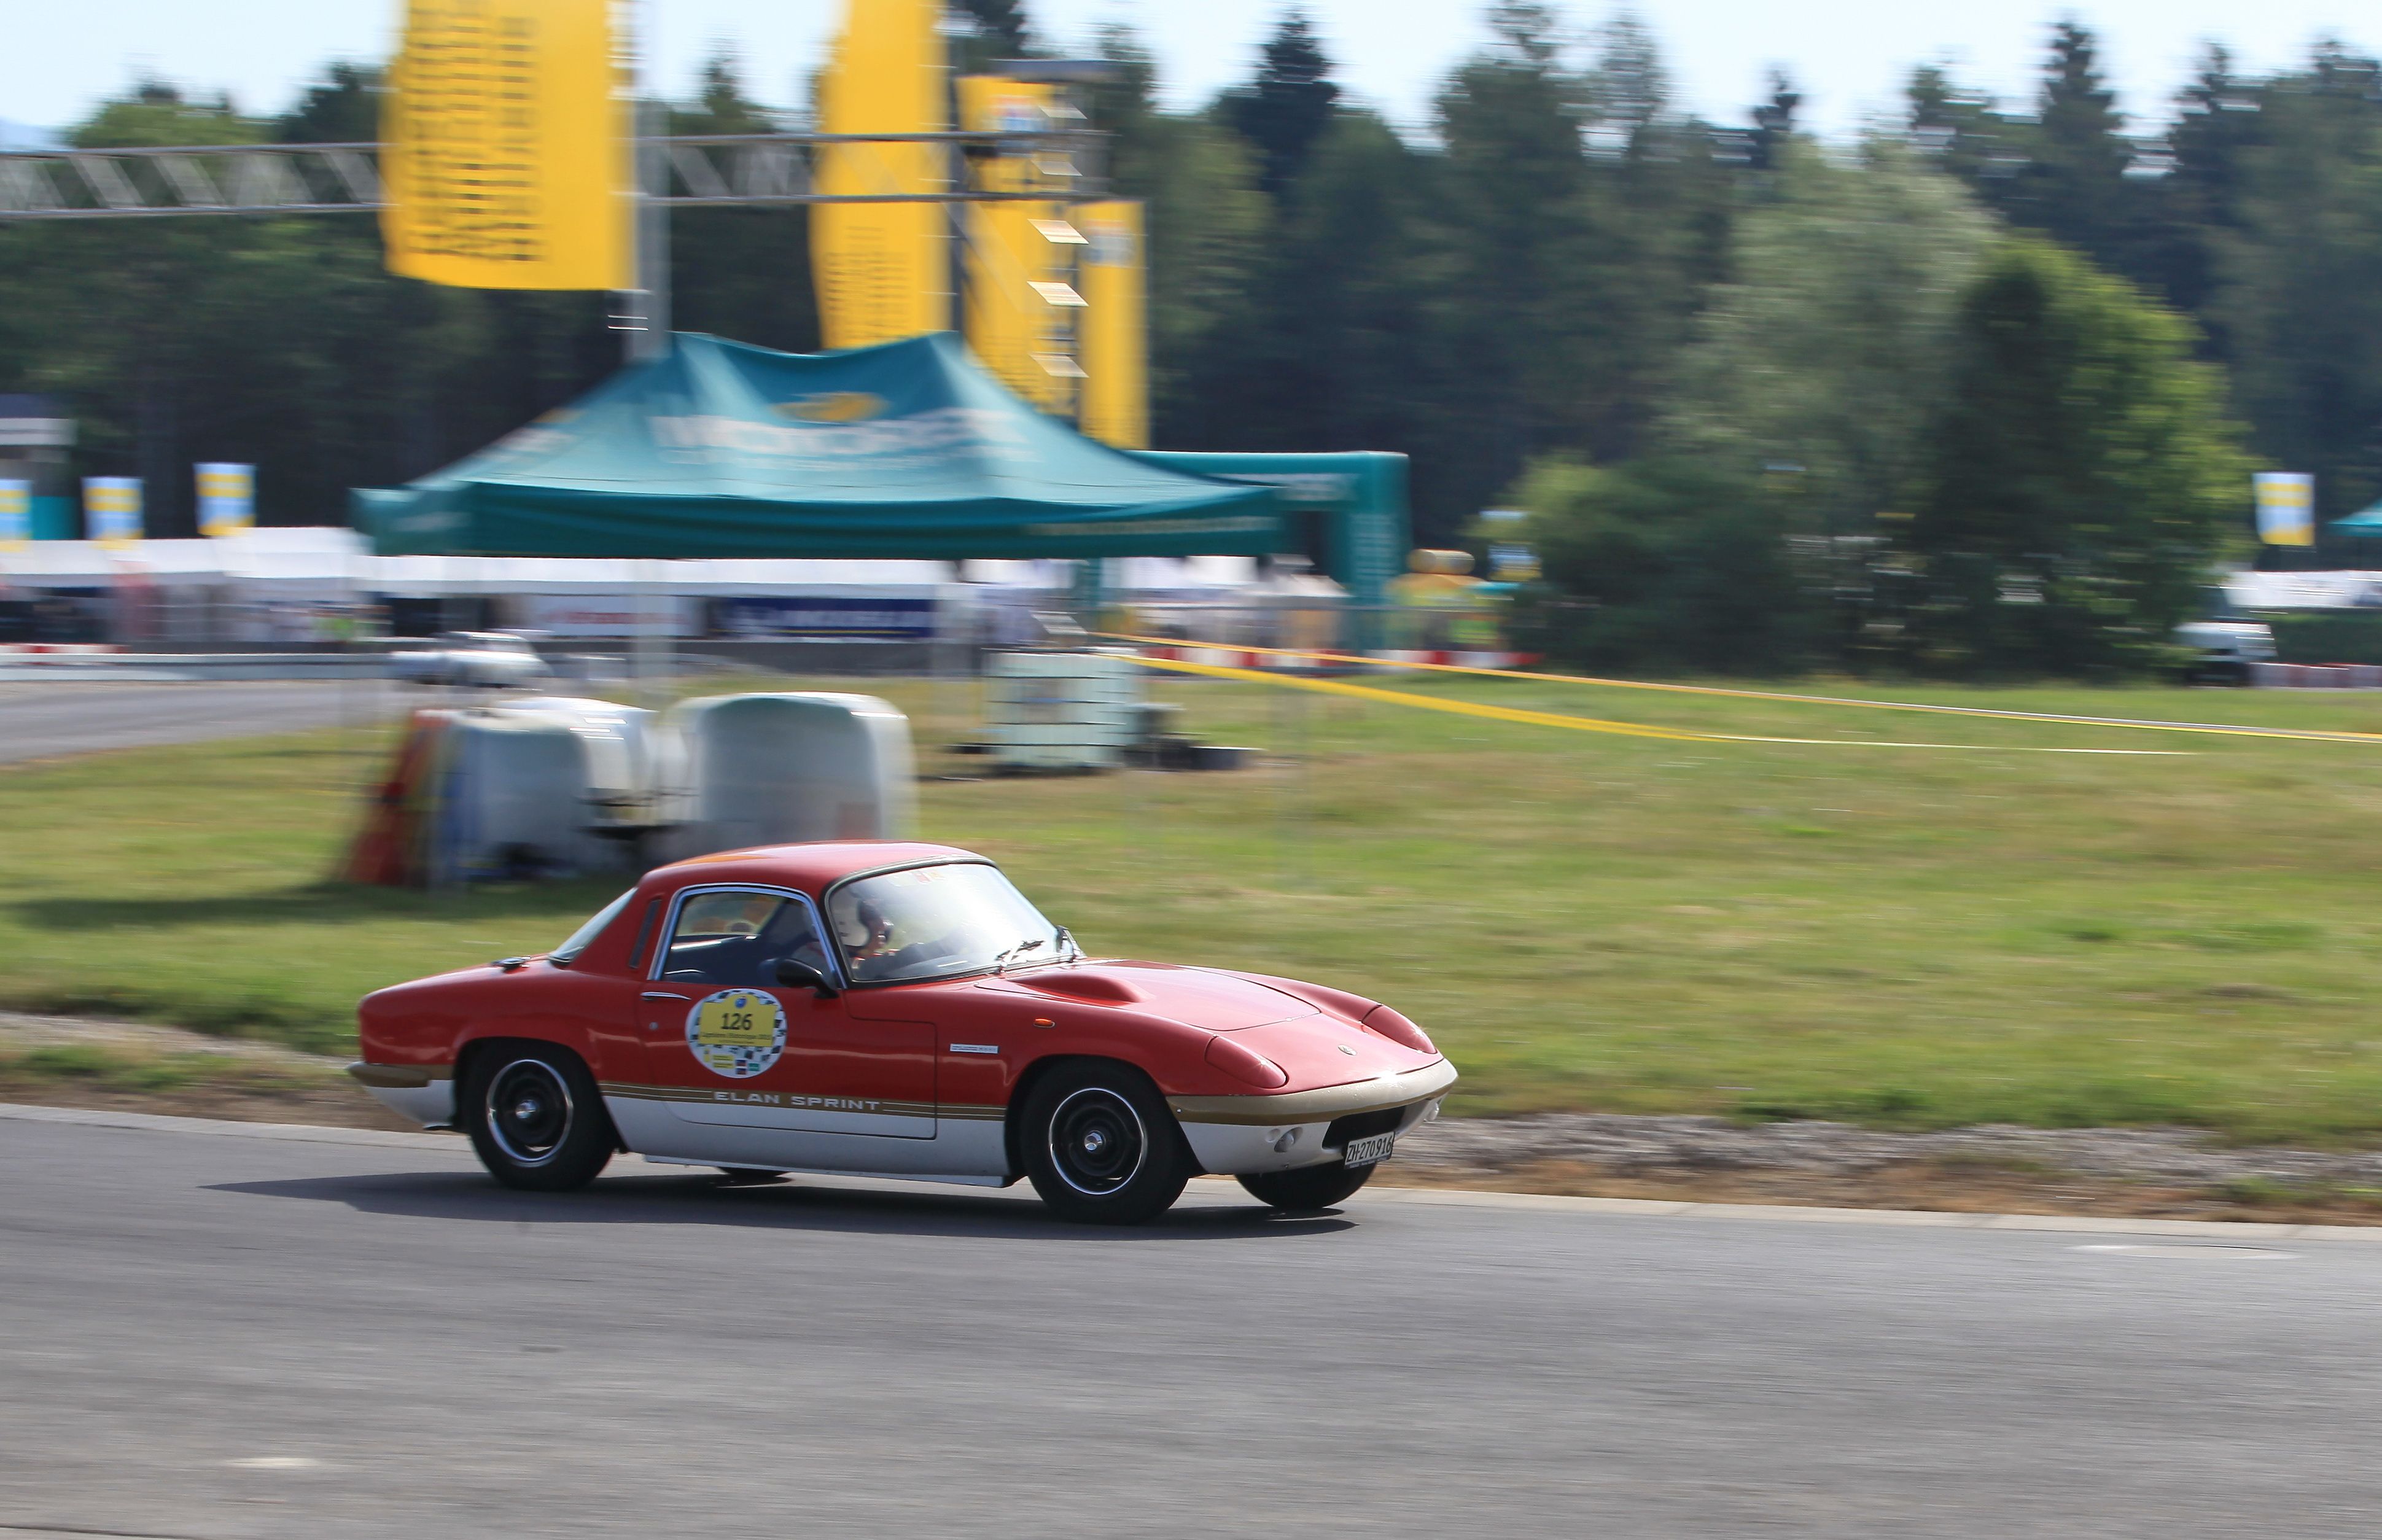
(15, 514)
(227, 497)
(111, 507)
(2286, 507)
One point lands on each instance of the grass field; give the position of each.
(1907, 936)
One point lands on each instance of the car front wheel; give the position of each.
(537, 1118)
(1307, 1189)
(1101, 1148)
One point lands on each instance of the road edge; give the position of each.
(1425, 1197)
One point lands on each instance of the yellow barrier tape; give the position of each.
(2310, 735)
(1400, 698)
(1587, 724)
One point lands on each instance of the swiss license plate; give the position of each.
(1371, 1151)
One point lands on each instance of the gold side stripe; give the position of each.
(790, 1101)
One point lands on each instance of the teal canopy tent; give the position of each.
(719, 450)
(2366, 522)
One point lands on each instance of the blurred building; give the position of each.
(35, 437)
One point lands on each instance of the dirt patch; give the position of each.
(2134, 1173)
(328, 1105)
(1931, 1188)
(130, 1067)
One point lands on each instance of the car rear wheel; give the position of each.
(537, 1118)
(1306, 1189)
(1101, 1148)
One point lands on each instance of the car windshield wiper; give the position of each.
(1000, 963)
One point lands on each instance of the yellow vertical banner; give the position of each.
(505, 149)
(227, 498)
(1019, 253)
(111, 507)
(2285, 502)
(15, 514)
(1115, 325)
(883, 270)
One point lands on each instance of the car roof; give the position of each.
(813, 867)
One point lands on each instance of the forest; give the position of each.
(1980, 390)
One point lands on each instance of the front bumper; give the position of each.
(425, 1092)
(1236, 1136)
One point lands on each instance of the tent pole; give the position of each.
(649, 621)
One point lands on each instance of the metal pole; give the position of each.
(644, 653)
(645, 309)
(653, 341)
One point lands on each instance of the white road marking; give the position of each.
(2198, 1253)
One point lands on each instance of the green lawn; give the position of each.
(1901, 935)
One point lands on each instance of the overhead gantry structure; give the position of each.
(682, 171)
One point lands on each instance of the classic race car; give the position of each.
(895, 1010)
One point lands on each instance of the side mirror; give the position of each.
(795, 973)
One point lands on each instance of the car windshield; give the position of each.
(936, 921)
(585, 934)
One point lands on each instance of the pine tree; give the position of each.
(1774, 123)
(344, 108)
(1628, 89)
(743, 274)
(1286, 109)
(1003, 23)
(1961, 130)
(2217, 123)
(2077, 187)
(2299, 293)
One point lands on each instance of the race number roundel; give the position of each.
(736, 1033)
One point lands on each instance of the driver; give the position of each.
(865, 931)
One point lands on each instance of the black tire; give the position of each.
(1306, 1189)
(537, 1118)
(1100, 1146)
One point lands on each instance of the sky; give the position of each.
(1849, 57)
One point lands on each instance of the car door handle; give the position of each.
(665, 995)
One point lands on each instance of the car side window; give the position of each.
(735, 938)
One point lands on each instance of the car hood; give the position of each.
(1196, 997)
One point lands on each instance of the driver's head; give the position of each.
(861, 925)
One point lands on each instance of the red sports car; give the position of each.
(898, 1010)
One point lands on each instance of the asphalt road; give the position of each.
(41, 719)
(203, 1335)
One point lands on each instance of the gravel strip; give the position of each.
(1663, 1146)
(21, 1029)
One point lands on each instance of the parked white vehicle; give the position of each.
(2222, 650)
(489, 660)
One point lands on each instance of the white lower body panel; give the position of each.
(960, 1147)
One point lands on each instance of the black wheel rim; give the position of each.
(1097, 1144)
(529, 1111)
